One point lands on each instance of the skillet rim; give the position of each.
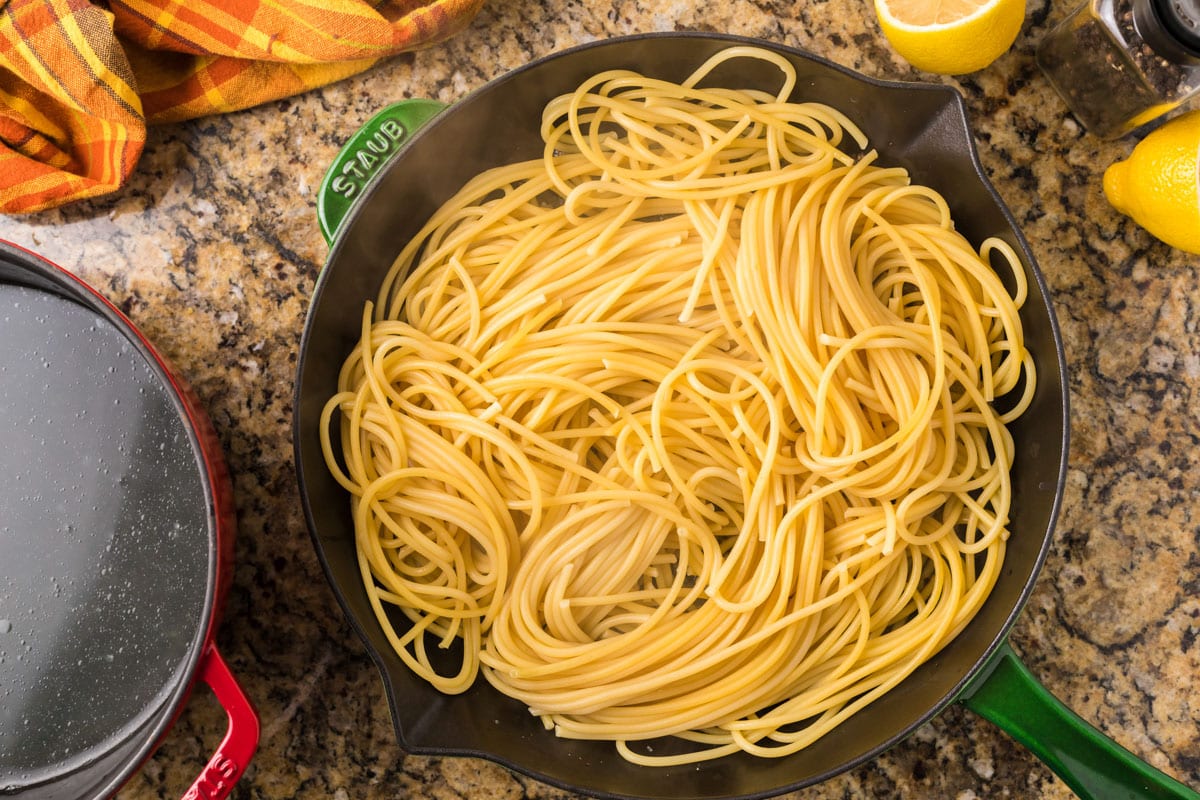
(1044, 306)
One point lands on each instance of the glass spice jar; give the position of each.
(1122, 63)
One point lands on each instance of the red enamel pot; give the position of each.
(116, 547)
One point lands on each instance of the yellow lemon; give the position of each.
(950, 37)
(1158, 186)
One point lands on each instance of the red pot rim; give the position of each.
(238, 746)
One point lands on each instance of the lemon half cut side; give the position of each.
(950, 37)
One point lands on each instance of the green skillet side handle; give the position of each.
(1095, 767)
(364, 155)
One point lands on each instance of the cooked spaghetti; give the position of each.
(687, 428)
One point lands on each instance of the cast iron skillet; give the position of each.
(387, 182)
(116, 546)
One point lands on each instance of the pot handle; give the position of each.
(237, 748)
(1092, 765)
(364, 155)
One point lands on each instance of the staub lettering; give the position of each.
(216, 781)
(371, 151)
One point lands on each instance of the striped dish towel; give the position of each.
(79, 81)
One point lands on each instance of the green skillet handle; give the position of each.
(364, 155)
(1095, 767)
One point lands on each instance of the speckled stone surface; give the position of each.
(213, 249)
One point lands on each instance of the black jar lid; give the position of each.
(1171, 27)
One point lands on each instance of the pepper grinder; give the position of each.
(1119, 64)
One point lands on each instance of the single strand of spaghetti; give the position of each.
(675, 760)
(1026, 399)
(757, 53)
(1009, 256)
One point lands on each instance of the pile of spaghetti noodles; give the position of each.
(687, 428)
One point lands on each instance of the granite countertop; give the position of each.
(213, 250)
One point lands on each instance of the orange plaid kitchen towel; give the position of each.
(79, 80)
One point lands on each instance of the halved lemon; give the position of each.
(950, 37)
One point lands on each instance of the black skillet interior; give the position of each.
(921, 127)
(107, 535)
